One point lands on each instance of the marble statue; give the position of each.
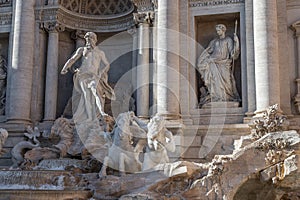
(3, 77)
(216, 67)
(63, 128)
(160, 141)
(121, 154)
(90, 80)
(3, 138)
(19, 149)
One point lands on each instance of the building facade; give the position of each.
(153, 47)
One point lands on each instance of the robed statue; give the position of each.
(215, 65)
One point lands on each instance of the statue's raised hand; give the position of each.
(64, 71)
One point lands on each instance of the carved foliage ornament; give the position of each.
(146, 17)
(143, 5)
(271, 121)
(53, 27)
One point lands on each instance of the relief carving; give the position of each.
(90, 7)
(204, 3)
(3, 78)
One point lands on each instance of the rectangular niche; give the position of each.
(205, 32)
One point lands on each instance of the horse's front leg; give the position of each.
(123, 158)
(107, 161)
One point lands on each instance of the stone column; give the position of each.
(37, 101)
(251, 97)
(266, 54)
(296, 27)
(133, 33)
(20, 71)
(143, 18)
(51, 72)
(167, 62)
(143, 72)
(284, 59)
(153, 109)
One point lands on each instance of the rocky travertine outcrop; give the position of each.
(263, 162)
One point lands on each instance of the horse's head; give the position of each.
(126, 123)
(155, 126)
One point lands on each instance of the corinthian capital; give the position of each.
(53, 27)
(145, 17)
(296, 28)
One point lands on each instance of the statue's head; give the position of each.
(156, 123)
(221, 29)
(90, 37)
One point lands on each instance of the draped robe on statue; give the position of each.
(90, 88)
(215, 67)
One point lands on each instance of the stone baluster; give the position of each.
(51, 71)
(20, 71)
(296, 28)
(266, 54)
(167, 62)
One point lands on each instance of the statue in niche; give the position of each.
(90, 81)
(216, 67)
(3, 77)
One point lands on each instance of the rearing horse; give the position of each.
(121, 155)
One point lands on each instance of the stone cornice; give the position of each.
(77, 21)
(205, 3)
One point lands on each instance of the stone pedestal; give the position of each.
(218, 113)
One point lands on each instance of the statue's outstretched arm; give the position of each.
(72, 60)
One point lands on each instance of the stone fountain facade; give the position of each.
(154, 49)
